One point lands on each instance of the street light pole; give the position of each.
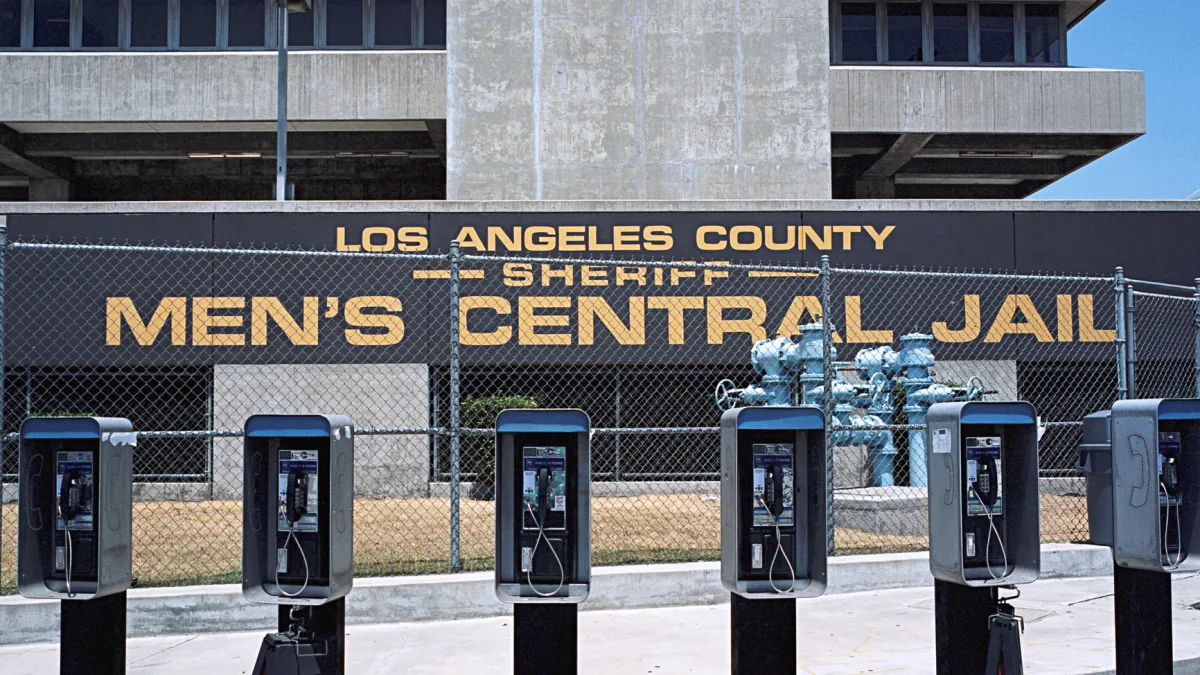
(281, 106)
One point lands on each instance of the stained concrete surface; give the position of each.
(1069, 630)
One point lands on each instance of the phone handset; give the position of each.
(987, 484)
(543, 496)
(70, 496)
(296, 497)
(775, 492)
(1168, 473)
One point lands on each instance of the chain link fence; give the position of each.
(423, 351)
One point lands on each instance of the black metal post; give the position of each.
(961, 625)
(545, 638)
(1143, 621)
(281, 69)
(325, 622)
(763, 636)
(92, 636)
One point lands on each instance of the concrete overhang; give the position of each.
(1076, 10)
(337, 89)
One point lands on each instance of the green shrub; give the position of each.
(479, 452)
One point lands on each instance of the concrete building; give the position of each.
(118, 100)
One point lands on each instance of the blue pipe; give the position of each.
(915, 359)
(878, 367)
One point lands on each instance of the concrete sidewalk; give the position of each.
(1069, 630)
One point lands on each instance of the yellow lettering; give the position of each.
(802, 306)
(567, 274)
(637, 274)
(787, 244)
(971, 324)
(1087, 323)
(389, 320)
(879, 235)
(593, 275)
(1006, 324)
(702, 241)
(172, 309)
(341, 241)
(1065, 329)
(740, 243)
(719, 326)
(572, 238)
(625, 238)
(659, 238)
(299, 334)
(203, 319)
(539, 238)
(823, 242)
(470, 338)
(529, 320)
(412, 239)
(518, 274)
(676, 305)
(499, 235)
(854, 330)
(369, 243)
(847, 232)
(469, 238)
(591, 308)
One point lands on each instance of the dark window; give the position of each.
(344, 23)
(247, 23)
(858, 33)
(904, 32)
(100, 19)
(52, 23)
(996, 33)
(1041, 34)
(149, 28)
(393, 23)
(10, 23)
(300, 29)
(950, 33)
(198, 23)
(434, 23)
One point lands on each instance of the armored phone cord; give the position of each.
(70, 554)
(291, 537)
(562, 573)
(987, 551)
(1178, 532)
(778, 550)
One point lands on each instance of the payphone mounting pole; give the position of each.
(93, 636)
(961, 625)
(763, 635)
(545, 638)
(326, 623)
(1143, 621)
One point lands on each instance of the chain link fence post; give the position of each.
(1122, 342)
(1130, 343)
(455, 473)
(1196, 354)
(827, 400)
(3, 251)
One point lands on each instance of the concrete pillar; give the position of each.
(643, 99)
(49, 190)
(875, 187)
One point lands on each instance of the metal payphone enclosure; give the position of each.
(804, 428)
(949, 425)
(112, 441)
(1136, 493)
(573, 428)
(332, 436)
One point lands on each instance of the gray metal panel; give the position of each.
(810, 555)
(508, 584)
(113, 485)
(1137, 522)
(1022, 508)
(258, 527)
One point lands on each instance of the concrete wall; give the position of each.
(637, 99)
(220, 86)
(393, 395)
(876, 99)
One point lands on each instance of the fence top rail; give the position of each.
(965, 275)
(1164, 296)
(193, 250)
(1159, 284)
(632, 262)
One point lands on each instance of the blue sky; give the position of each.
(1159, 39)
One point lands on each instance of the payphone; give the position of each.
(543, 509)
(984, 529)
(1156, 483)
(298, 536)
(773, 502)
(75, 517)
(543, 532)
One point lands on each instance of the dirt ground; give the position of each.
(200, 542)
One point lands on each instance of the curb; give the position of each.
(442, 597)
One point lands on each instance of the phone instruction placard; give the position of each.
(553, 459)
(303, 461)
(767, 459)
(80, 496)
(979, 450)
